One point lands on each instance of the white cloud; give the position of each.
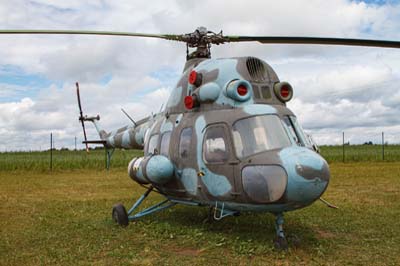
(340, 88)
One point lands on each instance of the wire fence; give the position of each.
(351, 146)
(336, 147)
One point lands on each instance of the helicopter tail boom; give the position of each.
(127, 137)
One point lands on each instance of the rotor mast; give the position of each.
(201, 39)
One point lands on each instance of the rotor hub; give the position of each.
(201, 39)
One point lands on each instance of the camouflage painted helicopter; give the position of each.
(226, 138)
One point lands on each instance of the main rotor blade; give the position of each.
(219, 39)
(93, 32)
(313, 40)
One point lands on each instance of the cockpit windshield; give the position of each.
(259, 133)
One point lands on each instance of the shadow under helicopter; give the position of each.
(256, 228)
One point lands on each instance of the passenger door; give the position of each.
(217, 171)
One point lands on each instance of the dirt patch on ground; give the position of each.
(185, 251)
(324, 234)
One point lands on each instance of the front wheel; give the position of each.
(119, 215)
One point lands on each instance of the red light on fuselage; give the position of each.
(192, 77)
(285, 92)
(242, 90)
(189, 102)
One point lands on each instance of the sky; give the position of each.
(336, 89)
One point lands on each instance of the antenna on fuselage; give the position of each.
(130, 118)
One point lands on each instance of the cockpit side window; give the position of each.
(292, 131)
(214, 145)
(297, 132)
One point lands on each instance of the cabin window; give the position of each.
(258, 134)
(164, 147)
(184, 142)
(214, 145)
(152, 144)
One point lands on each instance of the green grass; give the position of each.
(361, 153)
(66, 160)
(64, 218)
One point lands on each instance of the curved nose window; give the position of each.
(259, 133)
(264, 183)
(214, 145)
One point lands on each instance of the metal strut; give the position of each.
(222, 211)
(279, 225)
(109, 154)
(280, 241)
(155, 208)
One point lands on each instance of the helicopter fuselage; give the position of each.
(227, 137)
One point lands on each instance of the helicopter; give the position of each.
(226, 139)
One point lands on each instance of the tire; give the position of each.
(119, 215)
(280, 243)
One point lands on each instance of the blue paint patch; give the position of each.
(300, 189)
(175, 97)
(125, 139)
(217, 185)
(159, 169)
(189, 180)
(209, 92)
(139, 135)
(166, 126)
(227, 73)
(259, 109)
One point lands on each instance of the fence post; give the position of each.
(343, 145)
(51, 151)
(383, 146)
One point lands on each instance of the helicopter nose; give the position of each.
(308, 174)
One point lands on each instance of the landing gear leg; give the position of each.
(109, 154)
(210, 216)
(280, 241)
(123, 217)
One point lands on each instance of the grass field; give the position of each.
(67, 160)
(64, 217)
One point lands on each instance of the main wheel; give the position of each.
(280, 243)
(119, 215)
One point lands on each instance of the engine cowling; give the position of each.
(135, 171)
(155, 169)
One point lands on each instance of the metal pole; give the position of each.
(51, 151)
(343, 146)
(383, 146)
